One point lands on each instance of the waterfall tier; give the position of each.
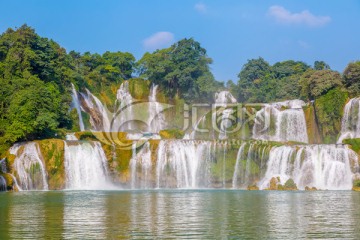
(183, 164)
(2, 184)
(321, 166)
(350, 124)
(85, 166)
(77, 106)
(282, 121)
(29, 167)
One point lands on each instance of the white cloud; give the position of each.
(283, 15)
(200, 7)
(158, 40)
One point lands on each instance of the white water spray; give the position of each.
(76, 105)
(282, 121)
(350, 124)
(183, 164)
(85, 166)
(29, 167)
(320, 166)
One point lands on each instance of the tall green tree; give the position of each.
(317, 83)
(182, 70)
(251, 75)
(351, 77)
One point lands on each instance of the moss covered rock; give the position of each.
(139, 88)
(171, 134)
(311, 125)
(252, 187)
(329, 111)
(52, 151)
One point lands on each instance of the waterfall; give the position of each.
(71, 137)
(350, 124)
(282, 121)
(100, 117)
(2, 184)
(156, 121)
(85, 166)
(183, 164)
(3, 168)
(327, 167)
(29, 167)
(140, 166)
(249, 155)
(224, 97)
(76, 105)
(225, 123)
(124, 114)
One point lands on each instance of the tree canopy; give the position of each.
(182, 70)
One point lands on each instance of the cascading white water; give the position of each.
(156, 121)
(350, 124)
(2, 179)
(29, 167)
(225, 123)
(101, 119)
(248, 154)
(71, 137)
(183, 164)
(85, 166)
(2, 184)
(224, 97)
(3, 168)
(192, 134)
(124, 114)
(281, 121)
(141, 166)
(321, 166)
(100, 116)
(77, 106)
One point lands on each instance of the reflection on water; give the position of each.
(84, 215)
(198, 214)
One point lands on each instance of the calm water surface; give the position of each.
(180, 214)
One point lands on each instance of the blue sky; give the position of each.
(232, 31)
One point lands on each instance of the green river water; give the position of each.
(180, 214)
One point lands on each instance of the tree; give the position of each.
(182, 69)
(314, 83)
(351, 77)
(250, 75)
(321, 65)
(35, 76)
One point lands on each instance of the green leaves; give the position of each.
(352, 78)
(317, 83)
(182, 69)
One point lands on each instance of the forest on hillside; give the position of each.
(36, 74)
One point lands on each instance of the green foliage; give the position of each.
(354, 144)
(321, 65)
(290, 185)
(356, 183)
(171, 134)
(102, 74)
(86, 136)
(260, 82)
(182, 70)
(329, 110)
(35, 75)
(317, 83)
(352, 78)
